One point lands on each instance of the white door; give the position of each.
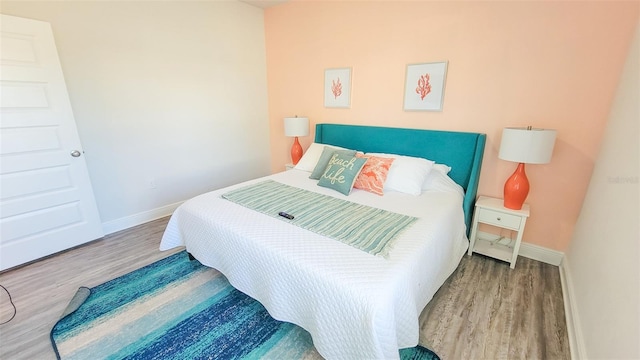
(46, 199)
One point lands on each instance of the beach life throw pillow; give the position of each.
(341, 172)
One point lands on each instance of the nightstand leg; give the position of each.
(516, 248)
(472, 236)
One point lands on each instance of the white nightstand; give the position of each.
(491, 211)
(288, 166)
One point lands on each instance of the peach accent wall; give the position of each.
(546, 64)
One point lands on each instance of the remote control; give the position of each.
(285, 215)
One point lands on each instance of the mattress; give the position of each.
(354, 304)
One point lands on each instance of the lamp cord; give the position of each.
(502, 237)
(15, 311)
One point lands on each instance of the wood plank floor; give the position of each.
(484, 311)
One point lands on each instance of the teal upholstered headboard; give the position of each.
(462, 151)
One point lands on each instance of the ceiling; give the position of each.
(264, 3)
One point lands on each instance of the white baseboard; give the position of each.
(535, 252)
(574, 330)
(139, 218)
(542, 254)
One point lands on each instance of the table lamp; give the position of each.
(524, 146)
(294, 127)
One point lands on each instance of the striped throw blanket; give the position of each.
(366, 228)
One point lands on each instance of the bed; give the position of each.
(355, 304)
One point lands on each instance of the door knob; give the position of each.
(75, 153)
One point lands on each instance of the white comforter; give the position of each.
(355, 305)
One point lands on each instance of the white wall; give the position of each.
(169, 92)
(603, 261)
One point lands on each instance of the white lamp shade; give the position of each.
(529, 146)
(296, 126)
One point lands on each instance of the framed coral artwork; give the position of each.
(337, 88)
(424, 86)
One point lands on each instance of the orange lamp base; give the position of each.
(516, 189)
(296, 151)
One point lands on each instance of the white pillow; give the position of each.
(407, 174)
(438, 180)
(311, 156)
(442, 168)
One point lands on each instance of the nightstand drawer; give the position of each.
(499, 219)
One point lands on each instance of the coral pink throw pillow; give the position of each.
(373, 174)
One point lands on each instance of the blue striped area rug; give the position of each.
(179, 309)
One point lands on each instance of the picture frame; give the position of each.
(424, 86)
(337, 88)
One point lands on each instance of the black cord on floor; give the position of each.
(12, 304)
